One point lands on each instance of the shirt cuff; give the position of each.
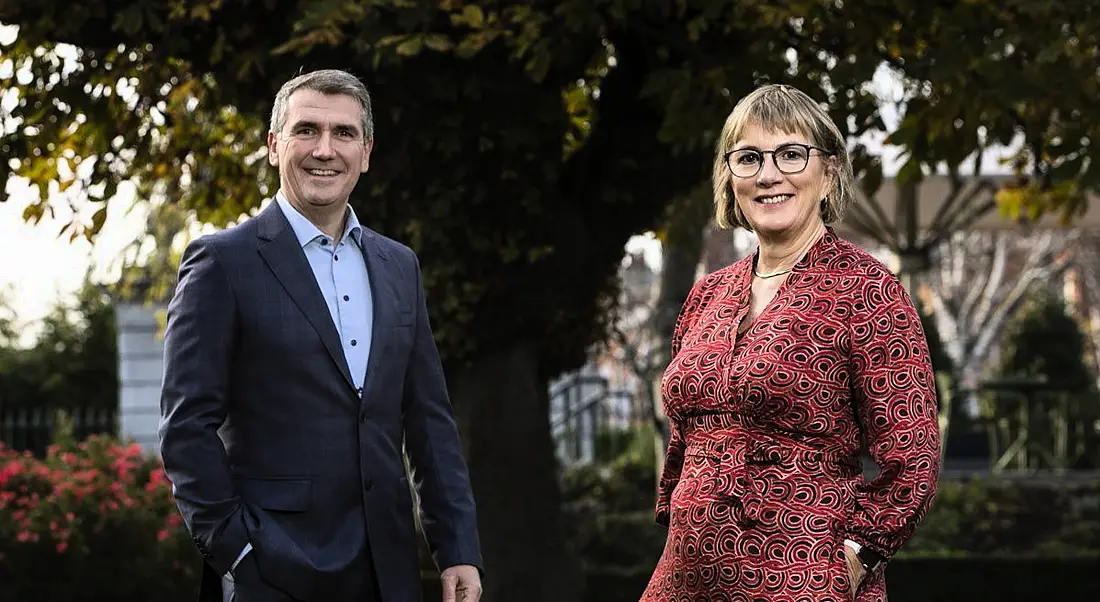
(240, 557)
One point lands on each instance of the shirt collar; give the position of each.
(306, 232)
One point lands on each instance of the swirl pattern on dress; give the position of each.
(762, 480)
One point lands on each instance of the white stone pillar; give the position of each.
(141, 370)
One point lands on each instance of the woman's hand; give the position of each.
(856, 572)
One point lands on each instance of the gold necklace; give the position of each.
(766, 276)
(773, 275)
(780, 272)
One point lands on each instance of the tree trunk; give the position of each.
(502, 405)
(681, 248)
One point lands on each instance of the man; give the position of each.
(299, 362)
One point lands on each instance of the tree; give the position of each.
(978, 283)
(1045, 342)
(1019, 74)
(1045, 349)
(644, 342)
(1085, 303)
(73, 363)
(637, 346)
(519, 146)
(981, 279)
(148, 265)
(9, 323)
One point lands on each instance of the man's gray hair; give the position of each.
(325, 81)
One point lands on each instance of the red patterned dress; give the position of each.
(762, 482)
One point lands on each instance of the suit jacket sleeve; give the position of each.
(448, 514)
(674, 455)
(894, 389)
(198, 354)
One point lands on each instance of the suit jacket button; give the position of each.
(368, 485)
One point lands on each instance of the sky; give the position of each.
(38, 268)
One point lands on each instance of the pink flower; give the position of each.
(157, 478)
(10, 471)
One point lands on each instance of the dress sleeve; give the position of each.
(674, 455)
(670, 475)
(893, 387)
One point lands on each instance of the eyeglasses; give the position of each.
(789, 159)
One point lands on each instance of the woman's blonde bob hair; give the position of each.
(782, 108)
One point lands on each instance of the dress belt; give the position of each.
(740, 448)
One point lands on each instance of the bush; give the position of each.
(92, 521)
(991, 517)
(1044, 372)
(609, 507)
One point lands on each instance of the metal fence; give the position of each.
(584, 407)
(33, 429)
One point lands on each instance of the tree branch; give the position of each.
(992, 284)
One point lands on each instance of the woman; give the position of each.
(783, 365)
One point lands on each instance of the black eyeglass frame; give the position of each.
(809, 152)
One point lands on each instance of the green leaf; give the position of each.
(438, 42)
(472, 16)
(410, 46)
(910, 172)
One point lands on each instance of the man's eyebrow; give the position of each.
(303, 123)
(340, 126)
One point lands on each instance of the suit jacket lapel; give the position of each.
(283, 254)
(383, 299)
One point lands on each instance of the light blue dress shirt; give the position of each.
(341, 273)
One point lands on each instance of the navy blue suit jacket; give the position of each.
(266, 439)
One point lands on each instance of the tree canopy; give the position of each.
(518, 145)
(1019, 73)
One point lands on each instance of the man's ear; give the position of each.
(273, 149)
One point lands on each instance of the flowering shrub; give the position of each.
(91, 521)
